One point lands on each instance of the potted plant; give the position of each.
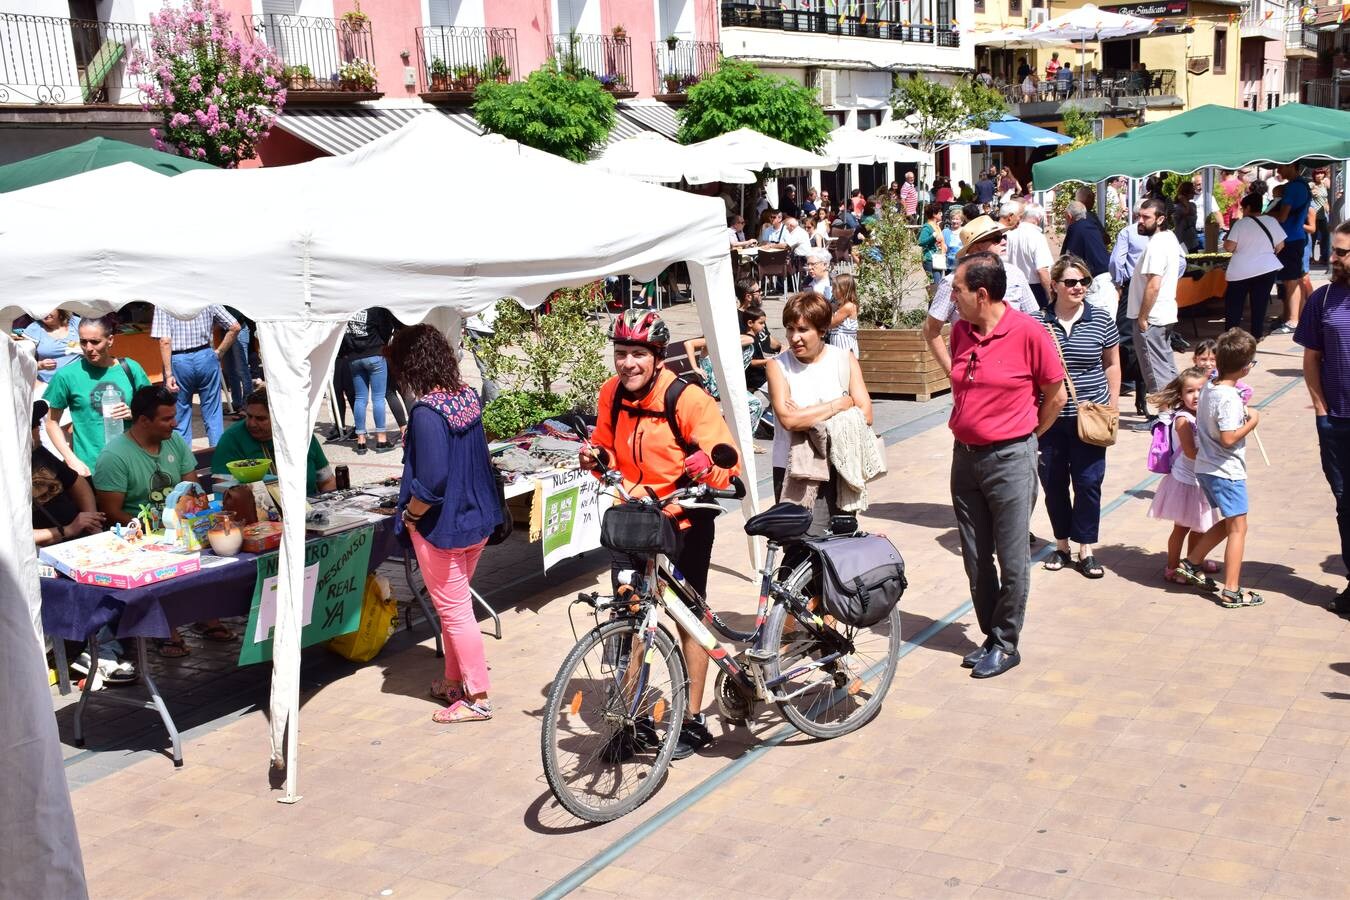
(497, 70)
(893, 305)
(671, 41)
(672, 83)
(471, 78)
(298, 77)
(620, 33)
(357, 75)
(355, 19)
(439, 70)
(609, 82)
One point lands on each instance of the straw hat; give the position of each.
(976, 230)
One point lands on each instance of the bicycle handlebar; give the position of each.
(614, 479)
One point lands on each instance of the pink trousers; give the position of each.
(447, 574)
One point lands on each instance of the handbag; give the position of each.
(1097, 422)
(862, 577)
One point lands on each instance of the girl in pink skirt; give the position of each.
(1179, 497)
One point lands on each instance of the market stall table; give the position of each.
(77, 612)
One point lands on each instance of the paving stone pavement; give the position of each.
(1150, 744)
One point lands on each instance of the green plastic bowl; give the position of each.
(247, 471)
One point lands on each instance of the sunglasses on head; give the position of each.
(1075, 282)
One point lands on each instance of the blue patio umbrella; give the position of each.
(1019, 134)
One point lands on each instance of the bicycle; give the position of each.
(614, 710)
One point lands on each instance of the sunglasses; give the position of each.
(970, 367)
(1075, 282)
(1340, 252)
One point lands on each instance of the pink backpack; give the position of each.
(1160, 447)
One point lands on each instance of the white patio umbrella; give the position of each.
(907, 129)
(754, 151)
(651, 157)
(1086, 23)
(849, 145)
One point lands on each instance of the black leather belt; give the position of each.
(190, 350)
(996, 445)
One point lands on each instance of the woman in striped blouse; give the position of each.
(1072, 470)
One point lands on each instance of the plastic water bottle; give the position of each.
(110, 396)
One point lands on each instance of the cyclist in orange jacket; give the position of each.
(658, 431)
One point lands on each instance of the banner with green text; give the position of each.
(335, 580)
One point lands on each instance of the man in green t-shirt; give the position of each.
(81, 387)
(252, 439)
(146, 462)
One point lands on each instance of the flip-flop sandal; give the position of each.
(1239, 598)
(169, 648)
(463, 711)
(1058, 559)
(220, 632)
(1089, 568)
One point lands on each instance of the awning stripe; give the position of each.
(652, 116)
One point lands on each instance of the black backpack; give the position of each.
(673, 391)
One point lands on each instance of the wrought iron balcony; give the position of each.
(1332, 93)
(608, 59)
(678, 65)
(919, 21)
(1264, 20)
(48, 60)
(1109, 84)
(1300, 42)
(320, 55)
(454, 61)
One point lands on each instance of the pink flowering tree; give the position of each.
(218, 94)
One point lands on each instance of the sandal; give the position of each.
(219, 632)
(442, 690)
(1172, 575)
(1195, 577)
(1239, 598)
(463, 711)
(1089, 567)
(171, 648)
(1058, 560)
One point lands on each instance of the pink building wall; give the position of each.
(533, 22)
(393, 24)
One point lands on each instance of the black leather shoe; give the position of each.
(970, 659)
(1341, 605)
(995, 662)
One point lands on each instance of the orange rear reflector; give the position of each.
(659, 710)
(576, 703)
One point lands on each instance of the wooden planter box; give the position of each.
(898, 362)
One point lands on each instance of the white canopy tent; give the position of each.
(749, 149)
(651, 157)
(849, 145)
(907, 129)
(301, 248)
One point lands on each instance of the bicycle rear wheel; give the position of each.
(601, 760)
(831, 699)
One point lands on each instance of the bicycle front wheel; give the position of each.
(831, 698)
(612, 719)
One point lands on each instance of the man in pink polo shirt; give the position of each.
(1007, 389)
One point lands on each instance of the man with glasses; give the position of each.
(1007, 390)
(84, 387)
(980, 235)
(1324, 333)
(1153, 301)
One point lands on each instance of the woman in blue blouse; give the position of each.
(449, 505)
(57, 336)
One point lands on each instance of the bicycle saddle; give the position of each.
(781, 522)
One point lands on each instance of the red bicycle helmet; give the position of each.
(635, 326)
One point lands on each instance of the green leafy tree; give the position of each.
(546, 362)
(939, 111)
(892, 286)
(738, 95)
(565, 114)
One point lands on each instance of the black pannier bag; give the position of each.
(637, 528)
(861, 577)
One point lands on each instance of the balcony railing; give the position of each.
(1264, 18)
(1326, 92)
(609, 59)
(920, 21)
(319, 54)
(456, 60)
(1300, 40)
(44, 60)
(1111, 84)
(678, 65)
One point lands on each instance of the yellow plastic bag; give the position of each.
(379, 612)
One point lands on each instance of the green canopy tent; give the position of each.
(1310, 116)
(1206, 136)
(94, 153)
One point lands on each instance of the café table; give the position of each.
(78, 612)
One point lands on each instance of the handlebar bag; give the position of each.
(861, 577)
(638, 528)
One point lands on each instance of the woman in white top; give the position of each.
(844, 319)
(1254, 240)
(809, 383)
